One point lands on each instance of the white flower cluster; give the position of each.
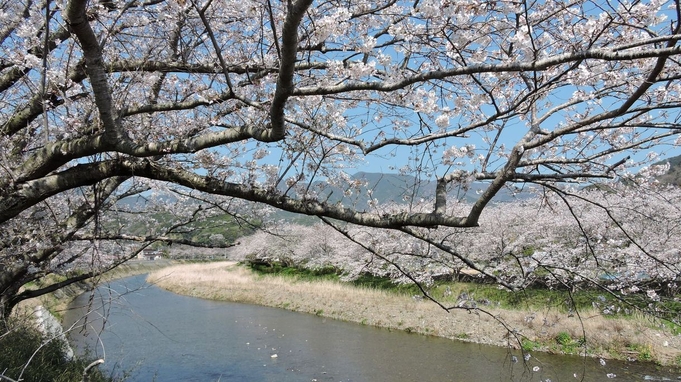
(452, 154)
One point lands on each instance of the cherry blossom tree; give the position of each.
(619, 241)
(273, 102)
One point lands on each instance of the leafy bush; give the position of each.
(529, 345)
(564, 338)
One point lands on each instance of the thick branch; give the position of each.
(289, 48)
(76, 18)
(54, 155)
(306, 207)
(497, 184)
(200, 68)
(152, 238)
(35, 191)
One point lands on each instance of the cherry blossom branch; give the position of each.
(50, 43)
(152, 238)
(541, 64)
(459, 132)
(87, 174)
(625, 106)
(16, 274)
(34, 106)
(216, 47)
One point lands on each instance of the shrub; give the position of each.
(564, 338)
(529, 345)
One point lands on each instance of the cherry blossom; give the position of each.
(203, 107)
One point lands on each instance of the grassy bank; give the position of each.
(49, 358)
(31, 352)
(548, 329)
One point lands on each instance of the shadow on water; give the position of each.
(158, 335)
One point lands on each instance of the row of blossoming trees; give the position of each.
(623, 238)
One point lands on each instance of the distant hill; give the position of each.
(404, 189)
(673, 176)
(385, 188)
(399, 189)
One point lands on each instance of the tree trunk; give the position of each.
(7, 304)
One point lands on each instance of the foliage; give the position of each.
(644, 352)
(26, 353)
(568, 345)
(563, 338)
(529, 345)
(298, 273)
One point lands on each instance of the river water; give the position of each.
(152, 334)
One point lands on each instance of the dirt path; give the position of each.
(606, 337)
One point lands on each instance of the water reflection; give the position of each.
(159, 335)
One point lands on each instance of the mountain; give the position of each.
(403, 189)
(673, 176)
(384, 188)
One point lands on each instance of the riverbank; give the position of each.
(36, 325)
(57, 302)
(546, 330)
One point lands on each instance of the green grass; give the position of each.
(331, 273)
(568, 345)
(529, 345)
(302, 274)
(644, 352)
(563, 338)
(48, 362)
(535, 298)
(531, 298)
(385, 283)
(538, 298)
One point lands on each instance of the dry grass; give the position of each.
(605, 337)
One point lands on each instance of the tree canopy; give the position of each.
(270, 102)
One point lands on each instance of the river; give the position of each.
(152, 334)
